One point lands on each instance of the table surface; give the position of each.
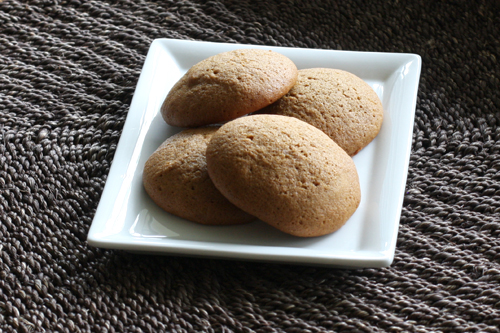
(68, 70)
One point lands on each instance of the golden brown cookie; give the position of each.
(176, 178)
(337, 102)
(286, 172)
(228, 85)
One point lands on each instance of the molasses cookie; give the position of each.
(337, 102)
(228, 85)
(285, 172)
(176, 178)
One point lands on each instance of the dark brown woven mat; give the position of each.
(68, 70)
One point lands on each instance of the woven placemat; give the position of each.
(68, 70)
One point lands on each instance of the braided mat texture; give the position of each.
(68, 70)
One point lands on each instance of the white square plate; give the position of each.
(127, 218)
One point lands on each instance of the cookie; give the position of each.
(285, 172)
(228, 85)
(337, 102)
(176, 178)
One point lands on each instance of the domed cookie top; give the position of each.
(228, 85)
(286, 172)
(176, 178)
(339, 103)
